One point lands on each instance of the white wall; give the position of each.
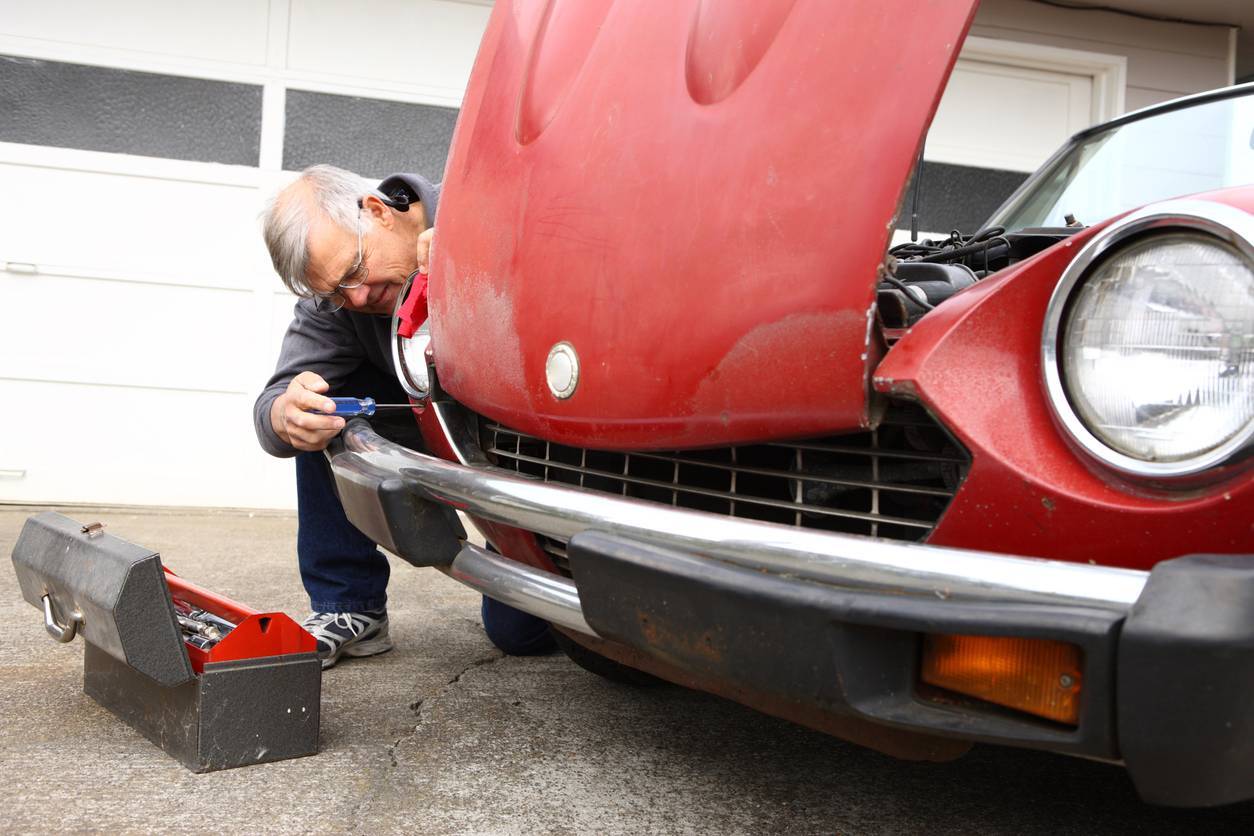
(141, 316)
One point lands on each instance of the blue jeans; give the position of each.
(343, 570)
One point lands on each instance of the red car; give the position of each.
(991, 488)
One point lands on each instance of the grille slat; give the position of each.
(894, 481)
(796, 504)
(733, 468)
(890, 454)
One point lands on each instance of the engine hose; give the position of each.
(990, 248)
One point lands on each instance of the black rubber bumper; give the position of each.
(1186, 683)
(388, 511)
(832, 648)
(1169, 687)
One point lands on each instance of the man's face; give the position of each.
(387, 257)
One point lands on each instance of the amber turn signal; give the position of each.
(1036, 676)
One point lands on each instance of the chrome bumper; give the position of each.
(843, 560)
(832, 622)
(542, 594)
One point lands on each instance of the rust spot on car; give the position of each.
(1048, 503)
(704, 645)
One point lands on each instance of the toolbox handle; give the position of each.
(61, 632)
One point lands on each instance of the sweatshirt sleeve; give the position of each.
(316, 341)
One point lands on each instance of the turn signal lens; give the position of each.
(1032, 675)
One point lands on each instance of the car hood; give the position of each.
(693, 197)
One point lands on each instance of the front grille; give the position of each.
(894, 481)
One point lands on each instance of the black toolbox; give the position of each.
(212, 682)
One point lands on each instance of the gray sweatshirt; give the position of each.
(332, 345)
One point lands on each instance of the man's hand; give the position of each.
(424, 250)
(294, 424)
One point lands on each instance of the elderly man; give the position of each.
(346, 248)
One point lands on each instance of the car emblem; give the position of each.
(561, 370)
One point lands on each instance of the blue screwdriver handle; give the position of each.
(348, 407)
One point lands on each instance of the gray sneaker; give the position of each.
(348, 634)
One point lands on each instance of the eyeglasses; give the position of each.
(333, 301)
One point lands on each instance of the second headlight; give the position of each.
(1154, 365)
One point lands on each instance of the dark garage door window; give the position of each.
(368, 136)
(128, 112)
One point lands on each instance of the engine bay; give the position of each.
(918, 276)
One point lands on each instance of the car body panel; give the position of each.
(975, 363)
(623, 171)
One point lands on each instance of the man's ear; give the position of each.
(377, 210)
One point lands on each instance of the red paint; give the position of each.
(256, 634)
(976, 363)
(413, 311)
(682, 192)
(263, 634)
(726, 44)
(557, 54)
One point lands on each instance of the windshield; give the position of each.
(1180, 152)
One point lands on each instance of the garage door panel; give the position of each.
(1006, 117)
(157, 229)
(164, 448)
(225, 30)
(320, 29)
(122, 333)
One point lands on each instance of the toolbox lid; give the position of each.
(116, 589)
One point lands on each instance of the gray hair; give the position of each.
(288, 217)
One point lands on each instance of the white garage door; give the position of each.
(1007, 107)
(140, 313)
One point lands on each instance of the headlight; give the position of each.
(1149, 341)
(411, 365)
(409, 354)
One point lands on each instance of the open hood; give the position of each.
(693, 198)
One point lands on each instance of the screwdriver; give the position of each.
(348, 407)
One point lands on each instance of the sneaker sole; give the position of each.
(369, 647)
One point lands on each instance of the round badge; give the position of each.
(561, 370)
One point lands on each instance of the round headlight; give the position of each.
(409, 354)
(1154, 341)
(412, 366)
(1157, 353)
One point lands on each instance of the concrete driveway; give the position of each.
(443, 735)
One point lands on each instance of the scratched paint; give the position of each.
(768, 366)
(482, 318)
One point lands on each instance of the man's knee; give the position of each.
(515, 632)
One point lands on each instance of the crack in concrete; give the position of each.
(423, 702)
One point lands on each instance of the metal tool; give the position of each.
(197, 628)
(348, 407)
(200, 627)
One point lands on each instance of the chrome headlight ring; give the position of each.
(1227, 225)
(413, 375)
